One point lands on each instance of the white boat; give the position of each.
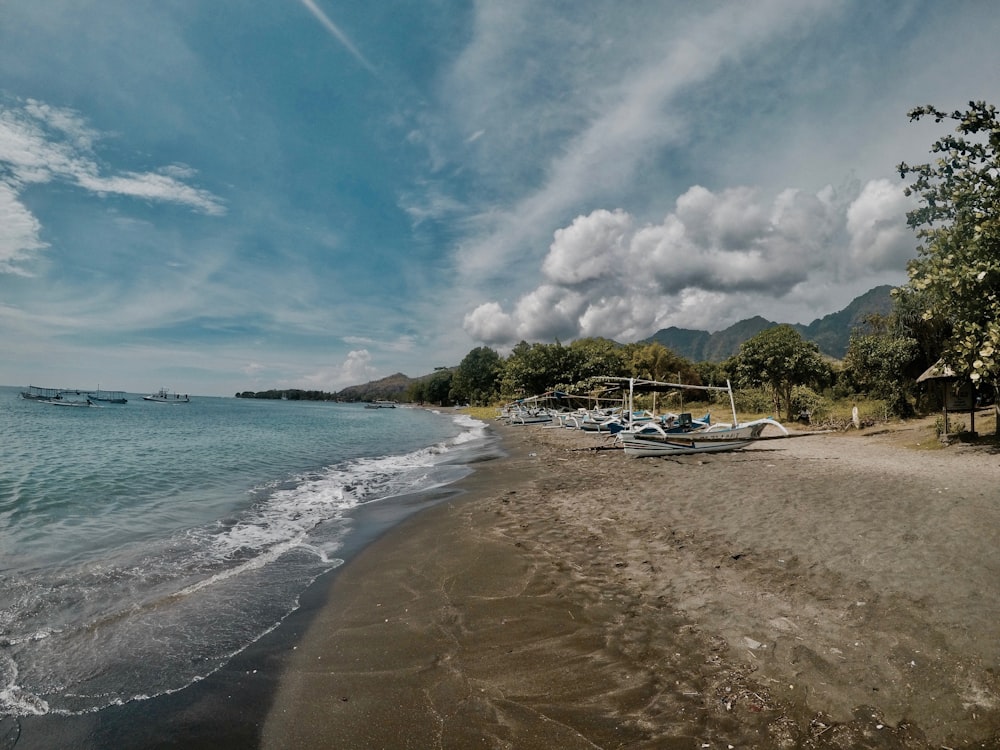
(680, 445)
(381, 405)
(653, 440)
(69, 402)
(164, 396)
(528, 416)
(687, 435)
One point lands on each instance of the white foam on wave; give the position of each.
(474, 429)
(13, 697)
(285, 519)
(161, 591)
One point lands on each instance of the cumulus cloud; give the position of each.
(878, 239)
(587, 248)
(357, 368)
(605, 276)
(490, 323)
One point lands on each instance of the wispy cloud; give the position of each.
(41, 144)
(337, 34)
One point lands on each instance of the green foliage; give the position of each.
(805, 399)
(532, 369)
(957, 271)
(713, 373)
(779, 359)
(291, 394)
(439, 387)
(656, 362)
(594, 358)
(477, 378)
(878, 364)
(754, 401)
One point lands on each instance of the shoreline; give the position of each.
(826, 590)
(224, 711)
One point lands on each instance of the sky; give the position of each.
(215, 196)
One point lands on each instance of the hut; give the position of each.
(957, 394)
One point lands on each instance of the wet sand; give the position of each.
(816, 591)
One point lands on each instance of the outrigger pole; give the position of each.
(655, 385)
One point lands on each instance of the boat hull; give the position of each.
(638, 448)
(166, 397)
(654, 441)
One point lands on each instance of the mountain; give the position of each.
(390, 388)
(832, 333)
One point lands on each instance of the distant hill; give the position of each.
(390, 388)
(832, 333)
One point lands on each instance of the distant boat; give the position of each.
(164, 396)
(69, 402)
(381, 405)
(34, 393)
(110, 397)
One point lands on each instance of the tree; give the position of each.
(595, 358)
(779, 358)
(880, 365)
(477, 378)
(654, 361)
(438, 387)
(532, 369)
(957, 270)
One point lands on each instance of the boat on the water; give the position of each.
(163, 396)
(34, 393)
(110, 397)
(380, 405)
(71, 402)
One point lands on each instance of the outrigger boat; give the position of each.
(687, 435)
(111, 397)
(34, 393)
(70, 402)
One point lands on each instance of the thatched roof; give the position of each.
(938, 371)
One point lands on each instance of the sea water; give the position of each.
(143, 545)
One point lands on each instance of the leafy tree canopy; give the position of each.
(779, 358)
(957, 270)
(477, 378)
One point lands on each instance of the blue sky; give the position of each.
(214, 196)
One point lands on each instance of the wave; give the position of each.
(158, 615)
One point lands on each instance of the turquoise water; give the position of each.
(142, 545)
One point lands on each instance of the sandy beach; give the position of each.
(824, 590)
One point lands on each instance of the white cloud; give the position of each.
(357, 368)
(40, 144)
(588, 248)
(19, 231)
(618, 103)
(878, 239)
(490, 323)
(711, 260)
(336, 33)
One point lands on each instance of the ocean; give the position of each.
(144, 545)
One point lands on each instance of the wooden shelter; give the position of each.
(957, 395)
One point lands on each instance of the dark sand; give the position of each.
(819, 591)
